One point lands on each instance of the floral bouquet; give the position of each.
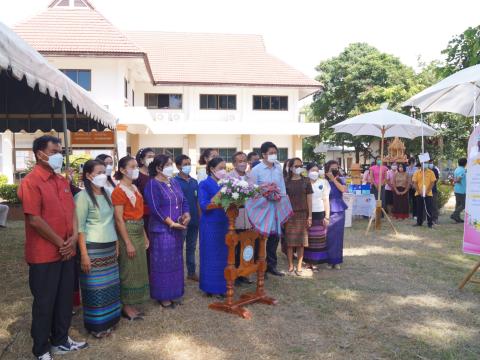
(235, 192)
(270, 191)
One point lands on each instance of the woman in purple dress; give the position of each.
(336, 225)
(169, 217)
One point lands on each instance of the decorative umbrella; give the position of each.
(458, 93)
(384, 123)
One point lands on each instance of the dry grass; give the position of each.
(395, 298)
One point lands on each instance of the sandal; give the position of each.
(169, 306)
(131, 318)
(299, 272)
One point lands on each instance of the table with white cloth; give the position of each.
(358, 205)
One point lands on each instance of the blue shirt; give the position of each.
(190, 191)
(460, 187)
(262, 174)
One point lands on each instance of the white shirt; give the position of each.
(321, 191)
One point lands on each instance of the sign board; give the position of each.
(92, 138)
(471, 236)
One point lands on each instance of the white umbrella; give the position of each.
(458, 93)
(384, 123)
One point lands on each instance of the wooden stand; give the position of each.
(247, 266)
(469, 276)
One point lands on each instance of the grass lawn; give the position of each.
(396, 297)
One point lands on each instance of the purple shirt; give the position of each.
(164, 201)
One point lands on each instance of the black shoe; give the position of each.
(244, 280)
(275, 272)
(430, 226)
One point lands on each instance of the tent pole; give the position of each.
(65, 133)
(378, 212)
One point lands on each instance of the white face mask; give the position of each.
(272, 158)
(313, 175)
(109, 170)
(100, 180)
(394, 167)
(148, 161)
(297, 171)
(186, 169)
(133, 173)
(168, 171)
(55, 161)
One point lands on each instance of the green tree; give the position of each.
(462, 51)
(359, 80)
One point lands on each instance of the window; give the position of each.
(270, 102)
(133, 98)
(172, 152)
(81, 77)
(163, 101)
(218, 102)
(125, 88)
(225, 153)
(282, 154)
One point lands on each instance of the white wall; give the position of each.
(244, 112)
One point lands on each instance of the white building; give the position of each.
(174, 92)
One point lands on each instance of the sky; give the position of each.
(300, 32)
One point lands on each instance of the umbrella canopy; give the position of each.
(458, 93)
(384, 123)
(32, 90)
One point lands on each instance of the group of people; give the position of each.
(413, 189)
(120, 237)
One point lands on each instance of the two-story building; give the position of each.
(175, 92)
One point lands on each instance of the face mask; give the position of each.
(425, 166)
(430, 166)
(335, 172)
(220, 174)
(186, 169)
(100, 180)
(272, 158)
(109, 170)
(313, 175)
(55, 161)
(379, 162)
(133, 173)
(168, 171)
(148, 161)
(297, 171)
(242, 167)
(394, 167)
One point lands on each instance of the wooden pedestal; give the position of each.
(247, 266)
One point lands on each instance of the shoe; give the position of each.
(69, 346)
(337, 267)
(193, 277)
(169, 306)
(275, 272)
(244, 280)
(299, 272)
(459, 220)
(430, 226)
(131, 318)
(46, 356)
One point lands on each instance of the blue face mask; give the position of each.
(430, 166)
(186, 169)
(55, 161)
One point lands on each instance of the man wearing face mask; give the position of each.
(190, 190)
(270, 171)
(239, 172)
(423, 181)
(51, 237)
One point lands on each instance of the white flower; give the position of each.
(223, 190)
(235, 195)
(243, 184)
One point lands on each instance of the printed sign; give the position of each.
(471, 236)
(92, 138)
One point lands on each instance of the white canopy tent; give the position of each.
(34, 95)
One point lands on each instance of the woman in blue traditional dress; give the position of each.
(336, 226)
(169, 217)
(97, 241)
(213, 228)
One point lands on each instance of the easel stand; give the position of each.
(469, 277)
(247, 267)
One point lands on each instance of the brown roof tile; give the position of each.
(206, 58)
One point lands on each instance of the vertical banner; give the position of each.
(471, 237)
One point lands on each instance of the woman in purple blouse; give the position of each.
(336, 223)
(169, 217)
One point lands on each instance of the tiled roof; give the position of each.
(203, 58)
(74, 30)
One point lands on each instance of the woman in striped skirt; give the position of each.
(299, 190)
(128, 202)
(316, 252)
(99, 279)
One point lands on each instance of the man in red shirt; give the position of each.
(51, 238)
